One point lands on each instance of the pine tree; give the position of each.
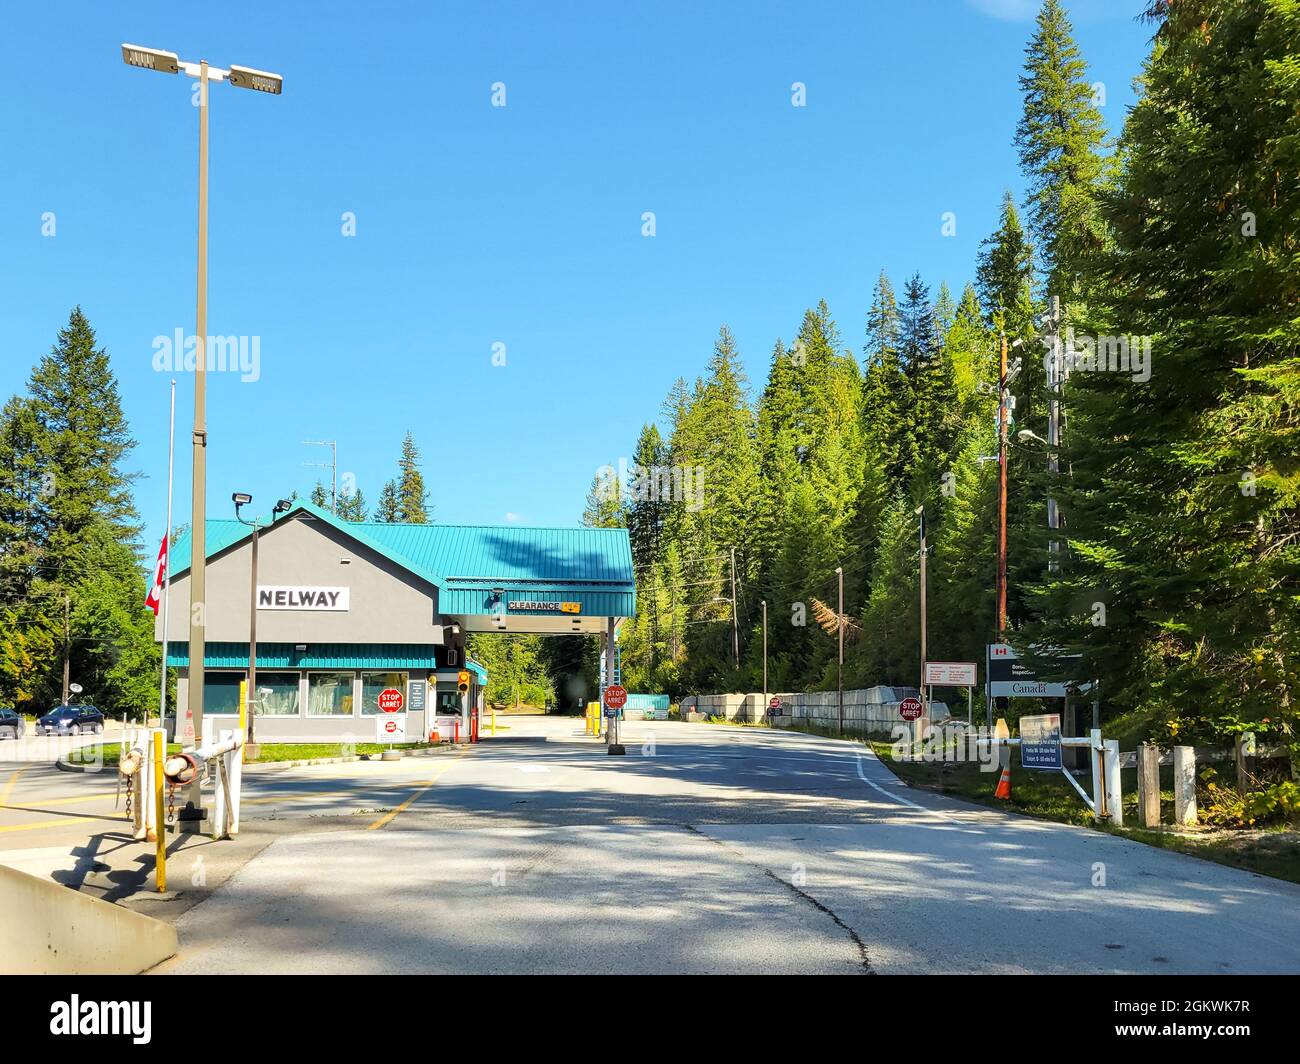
(1181, 505)
(1060, 138)
(887, 396)
(413, 499)
(320, 496)
(389, 505)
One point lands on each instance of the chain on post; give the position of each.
(171, 803)
(130, 796)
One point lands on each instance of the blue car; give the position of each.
(71, 720)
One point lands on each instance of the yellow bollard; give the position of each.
(160, 827)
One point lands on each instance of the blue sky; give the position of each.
(479, 225)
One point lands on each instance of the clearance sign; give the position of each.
(533, 606)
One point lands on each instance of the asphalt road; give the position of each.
(708, 849)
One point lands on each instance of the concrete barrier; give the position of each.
(50, 929)
(870, 709)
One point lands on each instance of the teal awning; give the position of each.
(316, 656)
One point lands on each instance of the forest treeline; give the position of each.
(1176, 246)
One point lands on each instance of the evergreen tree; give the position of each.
(389, 504)
(1060, 138)
(887, 397)
(1181, 503)
(413, 499)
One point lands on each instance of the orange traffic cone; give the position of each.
(1004, 784)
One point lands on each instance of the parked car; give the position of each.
(12, 725)
(70, 720)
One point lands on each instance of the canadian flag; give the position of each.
(154, 599)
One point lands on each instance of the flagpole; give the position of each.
(167, 570)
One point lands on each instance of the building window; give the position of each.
(448, 700)
(221, 693)
(372, 683)
(277, 694)
(329, 694)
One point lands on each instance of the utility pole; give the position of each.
(67, 644)
(765, 655)
(839, 617)
(1002, 493)
(735, 624)
(925, 703)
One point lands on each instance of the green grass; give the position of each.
(1273, 851)
(108, 753)
(269, 752)
(105, 754)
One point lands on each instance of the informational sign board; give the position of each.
(910, 709)
(950, 674)
(1008, 678)
(390, 700)
(417, 696)
(390, 728)
(1040, 742)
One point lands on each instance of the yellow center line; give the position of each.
(9, 783)
(424, 785)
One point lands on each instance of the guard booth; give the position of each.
(346, 611)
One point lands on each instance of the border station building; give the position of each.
(346, 610)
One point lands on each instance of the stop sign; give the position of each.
(615, 697)
(910, 709)
(774, 703)
(390, 726)
(390, 700)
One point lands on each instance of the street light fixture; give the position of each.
(164, 62)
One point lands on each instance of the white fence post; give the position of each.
(1114, 790)
(1184, 785)
(1096, 754)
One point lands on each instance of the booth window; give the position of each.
(372, 683)
(277, 694)
(448, 700)
(221, 693)
(329, 694)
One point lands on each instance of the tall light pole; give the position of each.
(259, 81)
(241, 499)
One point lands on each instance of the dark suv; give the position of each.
(12, 725)
(70, 720)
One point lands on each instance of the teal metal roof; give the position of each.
(589, 565)
(477, 670)
(317, 656)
